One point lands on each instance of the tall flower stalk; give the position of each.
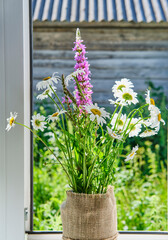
(82, 78)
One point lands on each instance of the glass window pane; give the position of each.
(113, 53)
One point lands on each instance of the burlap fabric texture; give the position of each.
(89, 216)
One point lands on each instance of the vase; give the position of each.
(89, 216)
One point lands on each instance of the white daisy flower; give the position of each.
(55, 115)
(120, 85)
(48, 81)
(134, 129)
(147, 123)
(45, 94)
(132, 154)
(113, 134)
(148, 133)
(38, 122)
(127, 96)
(149, 100)
(155, 119)
(114, 102)
(72, 75)
(96, 112)
(11, 120)
(120, 122)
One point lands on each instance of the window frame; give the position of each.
(14, 93)
(123, 235)
(30, 213)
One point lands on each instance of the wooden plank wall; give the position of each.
(119, 36)
(106, 67)
(115, 50)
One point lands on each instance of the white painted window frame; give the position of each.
(120, 237)
(14, 97)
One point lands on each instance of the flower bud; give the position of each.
(78, 35)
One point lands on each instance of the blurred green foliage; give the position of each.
(141, 195)
(140, 185)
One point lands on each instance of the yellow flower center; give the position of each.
(45, 79)
(132, 126)
(120, 122)
(146, 131)
(46, 92)
(152, 101)
(120, 87)
(11, 121)
(37, 122)
(95, 112)
(159, 117)
(132, 154)
(127, 96)
(55, 114)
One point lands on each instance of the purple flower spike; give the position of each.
(83, 78)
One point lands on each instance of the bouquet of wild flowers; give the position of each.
(90, 138)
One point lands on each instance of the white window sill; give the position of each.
(120, 237)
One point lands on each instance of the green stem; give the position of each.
(46, 147)
(91, 173)
(118, 117)
(104, 159)
(135, 111)
(114, 113)
(53, 101)
(57, 97)
(84, 164)
(58, 139)
(106, 180)
(79, 88)
(67, 142)
(133, 127)
(101, 130)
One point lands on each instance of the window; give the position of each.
(15, 71)
(115, 51)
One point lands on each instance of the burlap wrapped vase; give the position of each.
(89, 216)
